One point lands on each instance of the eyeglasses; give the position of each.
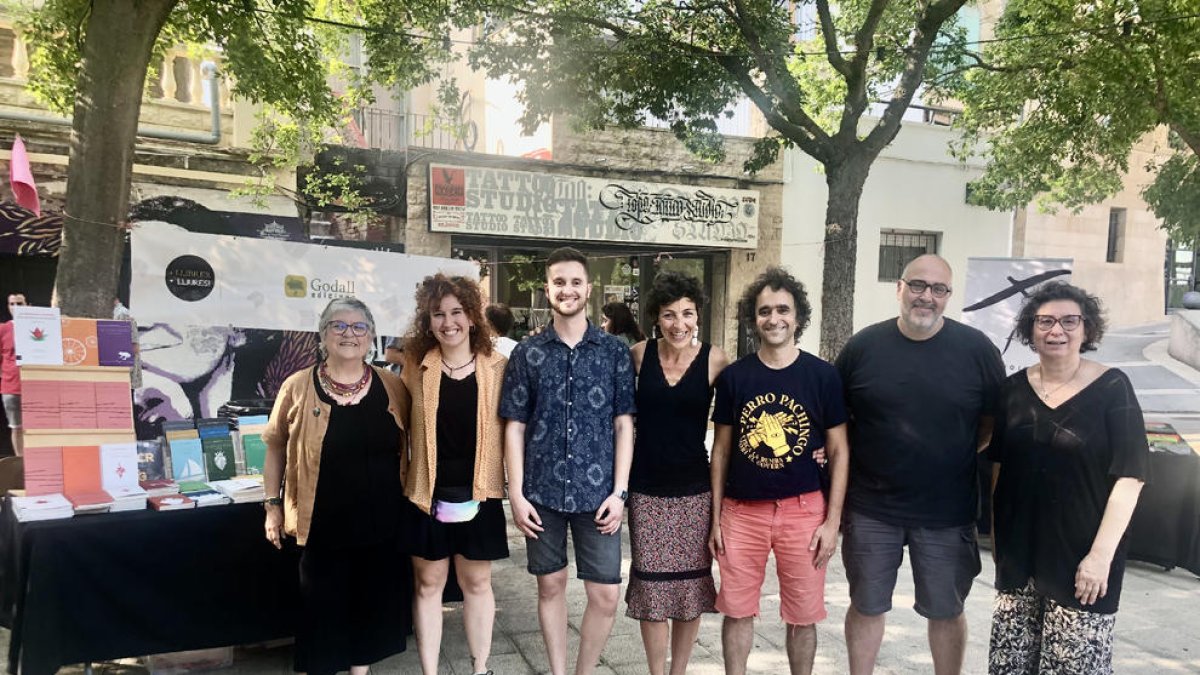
(918, 287)
(1046, 322)
(358, 328)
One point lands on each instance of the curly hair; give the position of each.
(420, 339)
(775, 278)
(1089, 307)
(671, 287)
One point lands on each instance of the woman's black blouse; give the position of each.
(358, 496)
(1057, 470)
(669, 455)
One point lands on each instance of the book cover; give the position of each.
(193, 486)
(187, 457)
(255, 451)
(37, 336)
(114, 343)
(150, 460)
(77, 403)
(114, 405)
(43, 471)
(118, 467)
(93, 501)
(218, 457)
(79, 344)
(81, 469)
(171, 503)
(159, 487)
(40, 404)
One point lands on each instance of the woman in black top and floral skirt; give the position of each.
(1072, 453)
(670, 504)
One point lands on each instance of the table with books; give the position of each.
(106, 586)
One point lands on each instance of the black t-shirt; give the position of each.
(1057, 470)
(456, 436)
(779, 418)
(358, 488)
(669, 456)
(914, 421)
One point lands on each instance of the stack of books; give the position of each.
(119, 476)
(241, 490)
(216, 442)
(171, 502)
(183, 448)
(42, 507)
(160, 487)
(96, 501)
(253, 450)
(202, 493)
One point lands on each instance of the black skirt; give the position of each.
(356, 606)
(484, 537)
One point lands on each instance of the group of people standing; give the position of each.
(880, 447)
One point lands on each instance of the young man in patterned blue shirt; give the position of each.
(568, 397)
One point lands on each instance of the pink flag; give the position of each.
(21, 177)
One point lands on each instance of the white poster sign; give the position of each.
(996, 290)
(184, 278)
(37, 336)
(497, 202)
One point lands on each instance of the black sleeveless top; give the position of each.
(669, 457)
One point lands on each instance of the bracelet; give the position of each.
(274, 501)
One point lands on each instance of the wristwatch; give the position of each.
(624, 495)
(272, 501)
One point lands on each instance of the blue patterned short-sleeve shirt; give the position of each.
(567, 398)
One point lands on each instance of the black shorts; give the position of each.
(484, 537)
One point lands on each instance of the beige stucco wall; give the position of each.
(1132, 289)
(913, 185)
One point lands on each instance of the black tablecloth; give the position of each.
(1165, 529)
(127, 584)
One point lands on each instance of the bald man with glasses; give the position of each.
(920, 389)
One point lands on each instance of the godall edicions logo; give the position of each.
(190, 278)
(775, 430)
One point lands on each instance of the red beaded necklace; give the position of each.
(334, 387)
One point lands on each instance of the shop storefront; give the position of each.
(631, 230)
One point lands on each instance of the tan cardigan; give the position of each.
(298, 422)
(424, 384)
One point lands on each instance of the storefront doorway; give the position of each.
(513, 272)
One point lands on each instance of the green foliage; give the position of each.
(282, 54)
(614, 62)
(1058, 103)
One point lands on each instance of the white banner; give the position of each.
(996, 290)
(183, 278)
(502, 203)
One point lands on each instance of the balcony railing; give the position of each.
(383, 129)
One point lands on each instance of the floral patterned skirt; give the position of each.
(1034, 635)
(671, 574)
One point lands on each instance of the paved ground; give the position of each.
(1157, 626)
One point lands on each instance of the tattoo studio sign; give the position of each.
(498, 202)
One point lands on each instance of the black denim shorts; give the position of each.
(597, 556)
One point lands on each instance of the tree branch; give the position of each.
(779, 81)
(936, 14)
(829, 32)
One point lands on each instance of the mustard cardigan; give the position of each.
(297, 424)
(424, 385)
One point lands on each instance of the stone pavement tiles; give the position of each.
(1157, 630)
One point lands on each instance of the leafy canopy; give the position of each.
(1067, 90)
(618, 62)
(282, 54)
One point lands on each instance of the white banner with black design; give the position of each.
(183, 278)
(996, 290)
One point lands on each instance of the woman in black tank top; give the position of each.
(670, 505)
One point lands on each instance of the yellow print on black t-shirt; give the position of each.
(774, 430)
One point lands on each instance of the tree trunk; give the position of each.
(845, 180)
(119, 39)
